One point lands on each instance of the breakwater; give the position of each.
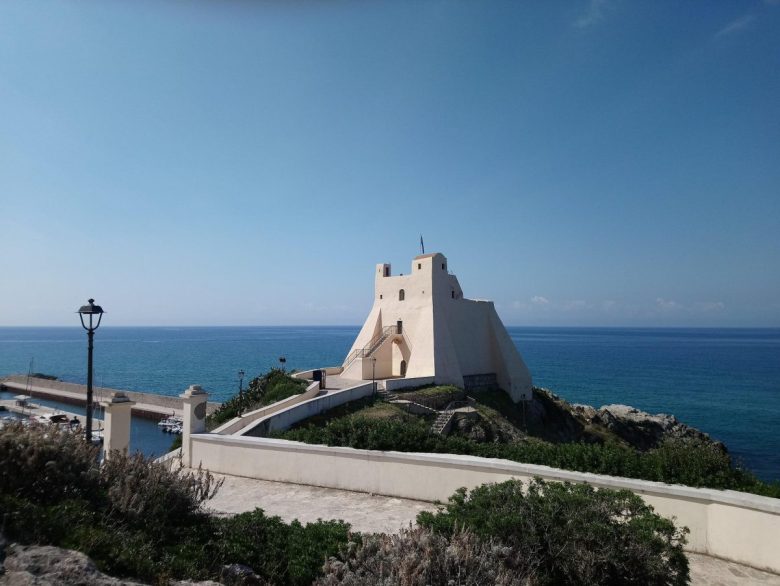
(148, 405)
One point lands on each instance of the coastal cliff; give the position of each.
(555, 419)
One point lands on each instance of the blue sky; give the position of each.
(246, 163)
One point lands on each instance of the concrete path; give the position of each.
(373, 513)
(707, 571)
(365, 512)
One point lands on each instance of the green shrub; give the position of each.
(139, 490)
(570, 533)
(262, 390)
(281, 553)
(46, 467)
(419, 556)
(140, 519)
(280, 391)
(676, 461)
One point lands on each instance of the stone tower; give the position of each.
(422, 329)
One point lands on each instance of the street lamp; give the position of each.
(282, 361)
(240, 391)
(373, 374)
(88, 314)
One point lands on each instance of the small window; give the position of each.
(380, 297)
(419, 266)
(443, 266)
(453, 294)
(401, 295)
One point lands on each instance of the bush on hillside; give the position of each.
(419, 556)
(676, 461)
(47, 466)
(262, 390)
(139, 490)
(570, 533)
(141, 519)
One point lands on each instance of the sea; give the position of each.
(725, 382)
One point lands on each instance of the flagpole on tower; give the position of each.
(422, 245)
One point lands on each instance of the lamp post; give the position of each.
(282, 361)
(88, 314)
(373, 374)
(240, 391)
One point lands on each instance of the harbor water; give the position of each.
(725, 382)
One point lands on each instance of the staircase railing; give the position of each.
(372, 346)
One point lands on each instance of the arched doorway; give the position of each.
(400, 357)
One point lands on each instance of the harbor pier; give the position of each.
(147, 405)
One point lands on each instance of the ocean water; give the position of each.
(726, 382)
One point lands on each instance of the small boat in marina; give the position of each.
(172, 424)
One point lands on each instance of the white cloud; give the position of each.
(593, 15)
(539, 300)
(708, 306)
(736, 25)
(667, 304)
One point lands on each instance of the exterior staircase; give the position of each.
(442, 421)
(372, 346)
(386, 395)
(445, 416)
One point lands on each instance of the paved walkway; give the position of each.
(373, 513)
(365, 512)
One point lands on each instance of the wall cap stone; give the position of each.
(495, 465)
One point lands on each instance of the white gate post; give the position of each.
(194, 399)
(116, 426)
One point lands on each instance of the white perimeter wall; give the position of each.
(732, 525)
(290, 415)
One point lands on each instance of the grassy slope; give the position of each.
(374, 424)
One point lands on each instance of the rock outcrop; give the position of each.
(642, 430)
(45, 565)
(557, 420)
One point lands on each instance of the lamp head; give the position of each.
(90, 311)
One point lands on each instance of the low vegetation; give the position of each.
(687, 461)
(139, 519)
(143, 520)
(265, 389)
(547, 534)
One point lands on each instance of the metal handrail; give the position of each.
(372, 346)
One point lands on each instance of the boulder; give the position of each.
(44, 565)
(240, 575)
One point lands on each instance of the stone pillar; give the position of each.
(194, 399)
(116, 428)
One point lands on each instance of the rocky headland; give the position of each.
(555, 419)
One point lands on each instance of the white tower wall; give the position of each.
(442, 334)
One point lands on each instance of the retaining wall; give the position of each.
(289, 416)
(735, 526)
(395, 384)
(238, 423)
